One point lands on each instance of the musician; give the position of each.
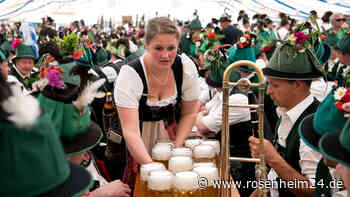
(289, 79)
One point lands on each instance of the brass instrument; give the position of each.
(244, 85)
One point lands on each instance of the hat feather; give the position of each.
(89, 93)
(23, 109)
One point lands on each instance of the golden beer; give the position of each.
(180, 164)
(186, 184)
(145, 169)
(191, 143)
(210, 174)
(216, 145)
(187, 152)
(161, 153)
(160, 183)
(204, 153)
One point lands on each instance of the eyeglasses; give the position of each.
(340, 19)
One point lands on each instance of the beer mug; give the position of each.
(180, 164)
(191, 143)
(204, 153)
(186, 184)
(210, 174)
(204, 164)
(187, 152)
(165, 142)
(145, 169)
(160, 183)
(161, 153)
(216, 145)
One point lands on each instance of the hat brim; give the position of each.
(83, 142)
(78, 182)
(268, 72)
(331, 148)
(212, 83)
(308, 133)
(19, 57)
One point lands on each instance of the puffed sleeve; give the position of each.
(190, 84)
(128, 88)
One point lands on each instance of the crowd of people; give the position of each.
(166, 82)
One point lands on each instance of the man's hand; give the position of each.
(269, 151)
(112, 189)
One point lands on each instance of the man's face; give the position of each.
(338, 21)
(24, 65)
(344, 58)
(281, 92)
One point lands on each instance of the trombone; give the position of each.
(243, 84)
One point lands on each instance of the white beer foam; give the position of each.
(147, 168)
(180, 164)
(204, 151)
(160, 180)
(187, 152)
(191, 143)
(186, 181)
(204, 164)
(161, 152)
(210, 173)
(214, 143)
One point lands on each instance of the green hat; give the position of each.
(336, 145)
(323, 52)
(6, 47)
(102, 57)
(236, 54)
(2, 56)
(24, 51)
(343, 45)
(195, 24)
(328, 118)
(216, 75)
(287, 64)
(35, 153)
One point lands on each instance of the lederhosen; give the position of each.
(290, 153)
(170, 114)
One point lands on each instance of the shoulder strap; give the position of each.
(178, 73)
(136, 64)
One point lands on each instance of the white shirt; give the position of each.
(213, 121)
(129, 87)
(282, 33)
(320, 89)
(308, 157)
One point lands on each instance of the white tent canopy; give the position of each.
(65, 11)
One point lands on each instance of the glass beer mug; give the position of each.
(204, 153)
(187, 152)
(186, 184)
(145, 169)
(211, 174)
(180, 164)
(160, 183)
(216, 145)
(161, 153)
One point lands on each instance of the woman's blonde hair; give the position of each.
(160, 25)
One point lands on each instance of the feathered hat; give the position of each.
(30, 147)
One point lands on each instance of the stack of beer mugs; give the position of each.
(145, 169)
(186, 184)
(160, 184)
(161, 152)
(210, 174)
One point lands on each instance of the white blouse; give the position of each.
(128, 86)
